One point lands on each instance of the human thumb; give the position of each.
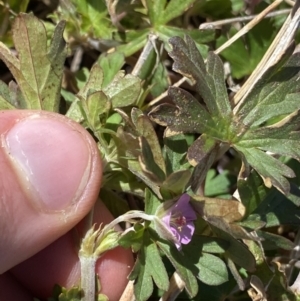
(49, 180)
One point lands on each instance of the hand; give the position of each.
(50, 179)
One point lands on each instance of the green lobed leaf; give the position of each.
(189, 115)
(182, 266)
(274, 94)
(93, 18)
(277, 209)
(151, 202)
(200, 36)
(110, 63)
(221, 129)
(212, 270)
(39, 69)
(176, 182)
(201, 169)
(148, 267)
(143, 287)
(161, 12)
(135, 40)
(148, 164)
(208, 80)
(156, 267)
(200, 149)
(237, 251)
(93, 83)
(96, 104)
(272, 170)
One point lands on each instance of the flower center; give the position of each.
(178, 220)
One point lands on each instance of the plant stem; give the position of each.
(88, 281)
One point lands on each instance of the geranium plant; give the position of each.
(200, 165)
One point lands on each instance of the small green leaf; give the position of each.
(60, 293)
(93, 83)
(161, 12)
(151, 202)
(212, 270)
(218, 185)
(176, 182)
(200, 149)
(182, 266)
(272, 241)
(96, 105)
(133, 239)
(145, 129)
(208, 244)
(143, 287)
(252, 191)
(92, 18)
(200, 36)
(175, 148)
(114, 202)
(272, 170)
(149, 266)
(148, 164)
(156, 267)
(123, 90)
(111, 63)
(5, 99)
(135, 40)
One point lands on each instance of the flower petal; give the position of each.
(187, 232)
(183, 205)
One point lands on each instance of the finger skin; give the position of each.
(59, 264)
(26, 229)
(44, 237)
(11, 290)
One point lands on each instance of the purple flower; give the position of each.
(179, 220)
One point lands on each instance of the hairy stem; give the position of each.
(88, 280)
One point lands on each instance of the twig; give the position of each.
(243, 19)
(242, 32)
(8, 8)
(175, 288)
(290, 2)
(128, 294)
(77, 59)
(112, 10)
(150, 45)
(249, 26)
(272, 56)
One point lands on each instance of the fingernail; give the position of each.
(52, 159)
